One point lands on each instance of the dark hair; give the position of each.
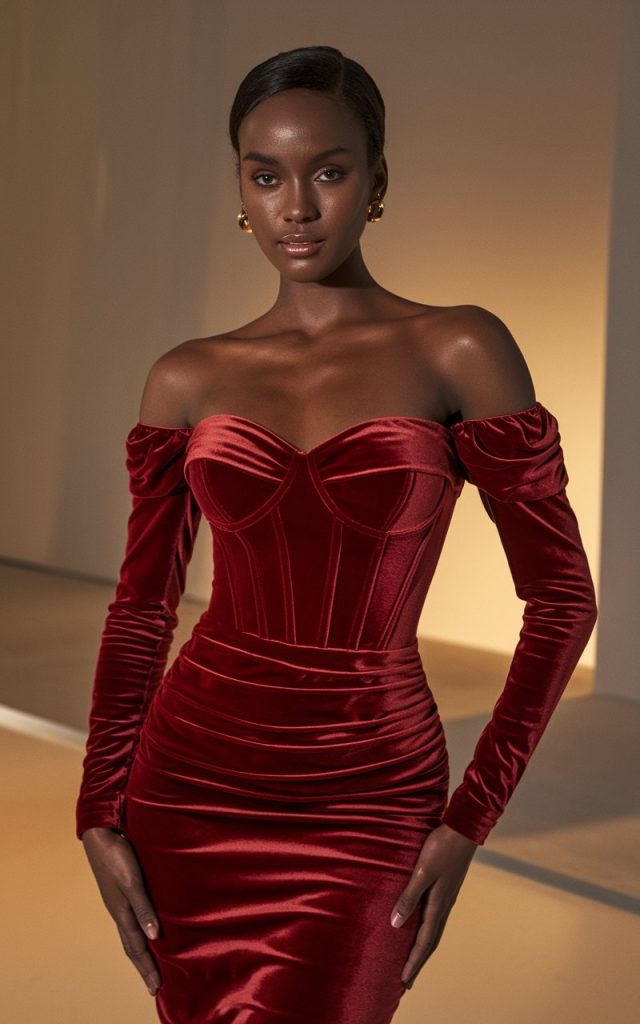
(314, 67)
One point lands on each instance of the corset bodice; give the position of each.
(335, 546)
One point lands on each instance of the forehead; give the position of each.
(296, 119)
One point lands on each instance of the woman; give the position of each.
(268, 821)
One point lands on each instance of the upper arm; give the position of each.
(487, 372)
(167, 389)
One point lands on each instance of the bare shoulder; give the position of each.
(180, 382)
(482, 364)
(169, 387)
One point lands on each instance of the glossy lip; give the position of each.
(301, 248)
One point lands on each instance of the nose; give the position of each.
(298, 205)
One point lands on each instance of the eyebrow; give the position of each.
(262, 158)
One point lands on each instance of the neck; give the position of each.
(315, 306)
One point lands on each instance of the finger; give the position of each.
(143, 909)
(410, 896)
(135, 890)
(424, 938)
(427, 942)
(136, 948)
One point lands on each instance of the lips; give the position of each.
(299, 248)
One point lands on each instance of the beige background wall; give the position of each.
(618, 665)
(122, 235)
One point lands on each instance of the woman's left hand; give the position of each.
(441, 868)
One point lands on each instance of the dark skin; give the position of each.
(334, 340)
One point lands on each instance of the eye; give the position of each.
(333, 170)
(263, 174)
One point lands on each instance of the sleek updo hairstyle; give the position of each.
(313, 67)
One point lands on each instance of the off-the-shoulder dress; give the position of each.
(280, 778)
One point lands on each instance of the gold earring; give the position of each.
(243, 221)
(376, 209)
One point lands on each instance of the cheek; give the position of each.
(350, 199)
(261, 206)
(353, 223)
(345, 215)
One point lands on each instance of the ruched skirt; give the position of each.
(278, 800)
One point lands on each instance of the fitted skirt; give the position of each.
(278, 800)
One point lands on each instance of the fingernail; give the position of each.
(152, 929)
(396, 920)
(152, 990)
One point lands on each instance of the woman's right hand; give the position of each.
(121, 883)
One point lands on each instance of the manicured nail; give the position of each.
(152, 990)
(396, 920)
(152, 929)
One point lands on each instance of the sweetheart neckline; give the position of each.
(447, 432)
(306, 452)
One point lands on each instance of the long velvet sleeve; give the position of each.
(517, 463)
(140, 620)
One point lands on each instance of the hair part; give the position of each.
(323, 68)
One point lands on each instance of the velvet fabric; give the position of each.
(279, 780)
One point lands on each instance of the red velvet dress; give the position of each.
(279, 780)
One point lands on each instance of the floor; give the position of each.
(546, 926)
